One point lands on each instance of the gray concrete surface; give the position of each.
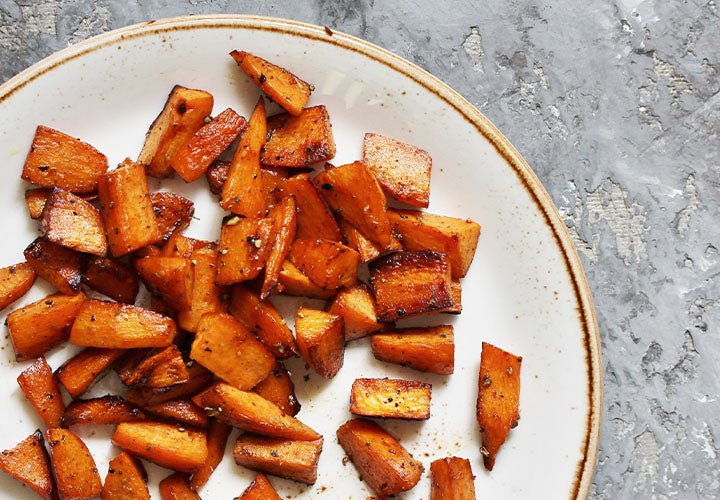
(615, 104)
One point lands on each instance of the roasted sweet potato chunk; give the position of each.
(390, 398)
(452, 479)
(176, 487)
(498, 399)
(168, 278)
(40, 326)
(103, 410)
(272, 177)
(181, 246)
(430, 349)
(80, 371)
(126, 479)
(251, 412)
(156, 368)
(73, 467)
(356, 305)
(296, 460)
(29, 463)
(15, 281)
(244, 247)
(173, 212)
(216, 175)
(58, 160)
(199, 379)
(206, 290)
(279, 84)
(380, 459)
(217, 436)
(182, 411)
(294, 282)
(41, 389)
(35, 200)
(299, 141)
(278, 388)
(327, 263)
(72, 222)
(284, 226)
(314, 219)
(320, 337)
(111, 278)
(59, 266)
(259, 489)
(368, 250)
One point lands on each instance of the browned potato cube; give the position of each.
(162, 367)
(314, 219)
(103, 410)
(296, 460)
(294, 282)
(390, 398)
(368, 250)
(430, 349)
(169, 279)
(244, 247)
(320, 337)
(200, 378)
(41, 389)
(298, 141)
(327, 263)
(72, 222)
(284, 226)
(206, 290)
(176, 487)
(15, 281)
(59, 266)
(73, 466)
(80, 371)
(112, 279)
(278, 388)
(173, 212)
(29, 463)
(452, 479)
(259, 489)
(356, 305)
(182, 411)
(126, 479)
(217, 436)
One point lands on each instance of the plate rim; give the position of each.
(586, 311)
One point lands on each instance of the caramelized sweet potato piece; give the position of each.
(15, 281)
(314, 219)
(120, 326)
(498, 399)
(299, 141)
(73, 467)
(59, 266)
(272, 177)
(284, 226)
(155, 368)
(320, 337)
(40, 326)
(409, 283)
(294, 282)
(216, 175)
(390, 398)
(112, 279)
(182, 411)
(126, 479)
(452, 479)
(296, 460)
(279, 84)
(430, 349)
(80, 371)
(58, 160)
(251, 412)
(357, 307)
(244, 247)
(217, 436)
(199, 379)
(41, 389)
(177, 448)
(206, 291)
(259, 489)
(327, 263)
(35, 200)
(176, 487)
(380, 459)
(182, 246)
(278, 388)
(173, 212)
(72, 222)
(168, 278)
(28, 462)
(368, 250)
(103, 410)
(183, 115)
(456, 294)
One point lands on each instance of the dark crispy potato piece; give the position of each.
(452, 479)
(402, 169)
(216, 175)
(314, 219)
(390, 398)
(72, 222)
(327, 263)
(206, 290)
(58, 160)
(35, 199)
(112, 279)
(176, 487)
(244, 247)
(368, 250)
(41, 389)
(173, 212)
(278, 388)
(15, 281)
(409, 283)
(29, 463)
(155, 368)
(103, 410)
(80, 371)
(59, 266)
(40, 326)
(279, 84)
(199, 379)
(73, 466)
(294, 282)
(456, 294)
(299, 141)
(430, 349)
(320, 337)
(217, 436)
(126, 479)
(498, 399)
(284, 226)
(182, 411)
(380, 459)
(259, 489)
(296, 460)
(168, 278)
(356, 305)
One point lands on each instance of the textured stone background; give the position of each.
(617, 108)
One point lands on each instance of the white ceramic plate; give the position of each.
(525, 291)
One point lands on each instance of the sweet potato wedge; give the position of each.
(244, 247)
(380, 459)
(452, 479)
(181, 246)
(278, 388)
(250, 412)
(498, 399)
(172, 446)
(40, 326)
(356, 305)
(298, 141)
(73, 467)
(176, 487)
(72, 222)
(155, 368)
(15, 281)
(58, 160)
(320, 338)
(206, 290)
(294, 282)
(111, 278)
(390, 398)
(173, 212)
(41, 389)
(368, 250)
(200, 378)
(59, 266)
(217, 436)
(183, 115)
(126, 479)
(296, 460)
(259, 489)
(279, 84)
(430, 349)
(284, 228)
(105, 410)
(80, 371)
(168, 278)
(182, 411)
(314, 218)
(327, 263)
(272, 177)
(29, 463)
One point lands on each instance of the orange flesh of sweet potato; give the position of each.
(80, 371)
(154, 368)
(200, 378)
(498, 399)
(72, 222)
(278, 388)
(173, 212)
(112, 279)
(430, 349)
(126, 479)
(177, 448)
(15, 281)
(367, 249)
(59, 266)
(40, 326)
(279, 84)
(250, 412)
(114, 325)
(298, 141)
(176, 487)
(452, 479)
(244, 247)
(320, 337)
(225, 347)
(216, 175)
(168, 278)
(284, 227)
(357, 307)
(390, 398)
(242, 192)
(402, 170)
(73, 467)
(409, 283)
(272, 177)
(103, 410)
(217, 436)
(192, 159)
(183, 247)
(41, 389)
(182, 411)
(259, 489)
(206, 291)
(296, 460)
(456, 294)
(380, 459)
(352, 191)
(35, 200)
(58, 160)
(327, 263)
(314, 219)
(294, 282)
(29, 463)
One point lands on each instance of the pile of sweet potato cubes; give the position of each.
(207, 355)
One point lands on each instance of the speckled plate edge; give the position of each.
(586, 465)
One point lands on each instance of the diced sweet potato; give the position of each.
(59, 266)
(127, 208)
(35, 200)
(228, 349)
(216, 175)
(272, 177)
(192, 159)
(206, 290)
(176, 487)
(456, 294)
(380, 459)
(80, 371)
(430, 349)
(299, 141)
(251, 412)
(390, 398)
(126, 479)
(183, 115)
(58, 160)
(357, 307)
(111, 278)
(28, 462)
(217, 436)
(296, 460)
(182, 246)
(103, 410)
(452, 479)
(173, 212)
(327, 263)
(200, 378)
(72, 222)
(294, 282)
(115, 325)
(320, 338)
(314, 219)
(73, 467)
(244, 247)
(175, 447)
(155, 368)
(259, 489)
(457, 238)
(15, 281)
(278, 388)
(367, 249)
(168, 278)
(40, 326)
(402, 169)
(498, 399)
(182, 411)
(41, 389)
(409, 283)
(284, 226)
(279, 84)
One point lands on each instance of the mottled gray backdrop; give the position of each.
(616, 107)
